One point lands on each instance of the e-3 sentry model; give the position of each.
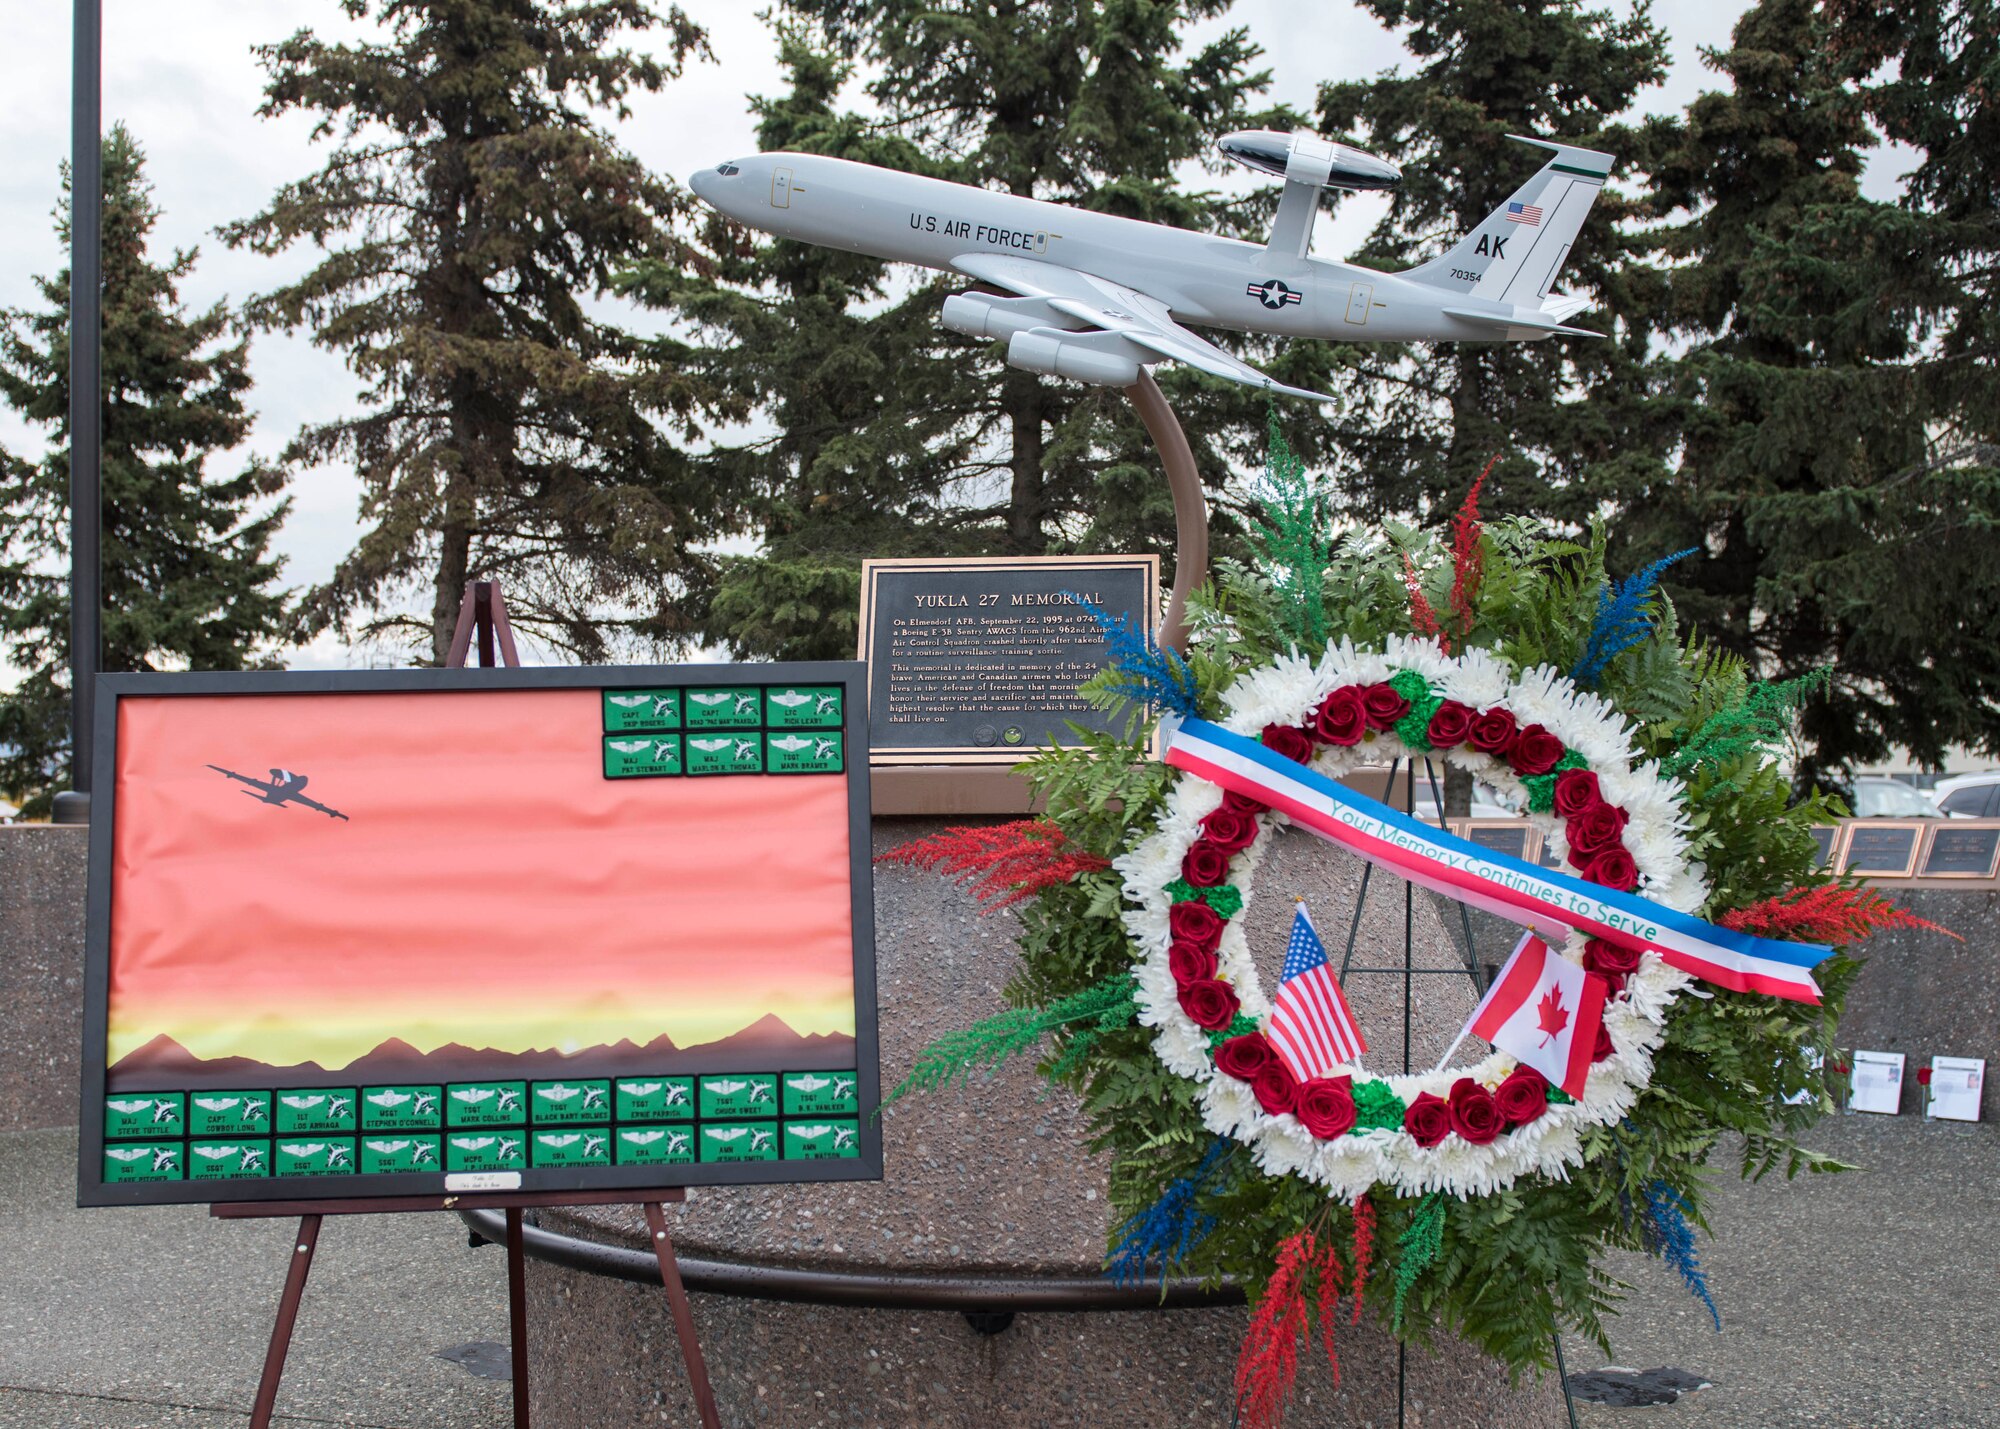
(1097, 297)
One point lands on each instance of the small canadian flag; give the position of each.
(1544, 1011)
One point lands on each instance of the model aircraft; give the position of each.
(283, 788)
(1097, 297)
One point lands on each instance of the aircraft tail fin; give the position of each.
(1513, 254)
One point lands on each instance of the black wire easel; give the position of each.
(1410, 972)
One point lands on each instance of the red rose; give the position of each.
(1450, 725)
(1523, 1096)
(1204, 865)
(1492, 732)
(1210, 1003)
(1601, 1048)
(1535, 752)
(1473, 1114)
(1341, 718)
(1576, 790)
(1326, 1106)
(1244, 1057)
(1243, 804)
(1428, 1119)
(1195, 922)
(1600, 955)
(1276, 1089)
(1291, 743)
(1595, 829)
(1613, 868)
(1229, 830)
(1923, 1080)
(1383, 706)
(1190, 962)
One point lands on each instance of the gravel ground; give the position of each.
(1865, 1300)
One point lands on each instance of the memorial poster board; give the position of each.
(1517, 838)
(1956, 1083)
(1878, 1083)
(977, 660)
(417, 932)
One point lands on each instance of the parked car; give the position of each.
(1879, 798)
(1969, 796)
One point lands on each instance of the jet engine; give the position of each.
(1104, 358)
(977, 315)
(1304, 158)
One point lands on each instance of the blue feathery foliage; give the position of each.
(1671, 1238)
(1169, 1228)
(1622, 619)
(1158, 676)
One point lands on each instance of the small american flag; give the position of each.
(1310, 1024)
(1524, 213)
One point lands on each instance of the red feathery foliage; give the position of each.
(1830, 913)
(1364, 1251)
(1326, 1265)
(1003, 864)
(1269, 1360)
(1423, 618)
(1467, 564)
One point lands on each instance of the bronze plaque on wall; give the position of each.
(977, 660)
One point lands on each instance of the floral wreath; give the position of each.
(1567, 756)
(1647, 759)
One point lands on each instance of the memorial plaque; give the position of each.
(1962, 853)
(1512, 837)
(1824, 836)
(1885, 850)
(978, 661)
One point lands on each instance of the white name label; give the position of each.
(483, 1181)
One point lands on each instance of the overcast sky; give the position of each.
(183, 78)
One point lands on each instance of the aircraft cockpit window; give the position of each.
(726, 170)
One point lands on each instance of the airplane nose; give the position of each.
(704, 182)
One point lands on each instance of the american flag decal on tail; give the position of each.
(1310, 1023)
(1524, 213)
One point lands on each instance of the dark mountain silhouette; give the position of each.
(766, 1045)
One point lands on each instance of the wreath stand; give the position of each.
(1481, 976)
(483, 614)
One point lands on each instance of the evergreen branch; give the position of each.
(1269, 1360)
(1467, 560)
(1170, 1227)
(1419, 1243)
(1295, 538)
(1829, 913)
(1623, 619)
(1757, 717)
(994, 1039)
(1158, 676)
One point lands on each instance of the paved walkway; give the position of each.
(1861, 1301)
(157, 1318)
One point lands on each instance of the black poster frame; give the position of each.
(536, 1183)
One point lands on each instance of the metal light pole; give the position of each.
(86, 400)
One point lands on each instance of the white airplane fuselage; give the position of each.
(1205, 279)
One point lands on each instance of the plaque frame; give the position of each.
(1917, 829)
(1959, 826)
(962, 756)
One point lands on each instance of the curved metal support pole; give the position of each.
(1190, 503)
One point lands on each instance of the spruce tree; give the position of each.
(1832, 471)
(471, 205)
(187, 581)
(894, 437)
(1428, 416)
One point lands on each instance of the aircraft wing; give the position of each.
(311, 804)
(1116, 308)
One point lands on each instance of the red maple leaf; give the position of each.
(1554, 1016)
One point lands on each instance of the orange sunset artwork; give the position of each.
(471, 897)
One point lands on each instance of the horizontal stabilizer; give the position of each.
(1533, 321)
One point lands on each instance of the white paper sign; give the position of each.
(1878, 1082)
(1955, 1084)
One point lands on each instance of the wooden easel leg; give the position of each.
(288, 1314)
(677, 1299)
(517, 1314)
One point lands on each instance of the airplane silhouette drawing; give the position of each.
(284, 787)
